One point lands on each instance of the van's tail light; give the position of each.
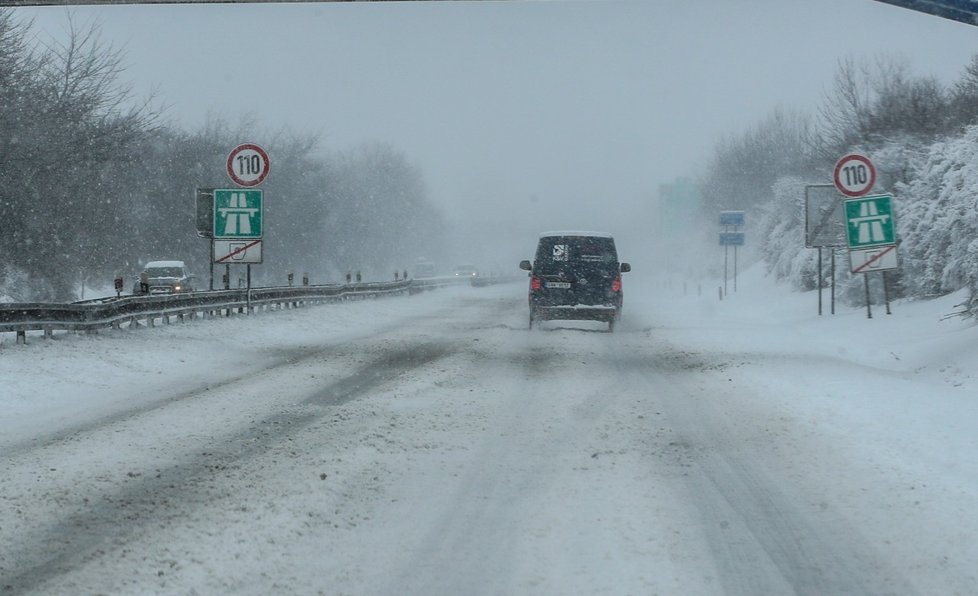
(535, 283)
(616, 285)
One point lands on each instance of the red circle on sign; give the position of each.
(248, 165)
(854, 175)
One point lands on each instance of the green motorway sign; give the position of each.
(237, 213)
(869, 221)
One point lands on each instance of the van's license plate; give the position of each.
(562, 285)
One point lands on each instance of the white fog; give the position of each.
(522, 116)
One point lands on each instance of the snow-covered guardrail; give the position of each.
(92, 315)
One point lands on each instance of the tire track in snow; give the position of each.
(146, 497)
(279, 358)
(763, 539)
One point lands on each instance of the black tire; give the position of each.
(532, 319)
(611, 325)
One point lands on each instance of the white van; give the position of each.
(164, 277)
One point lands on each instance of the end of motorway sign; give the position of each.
(235, 252)
(878, 258)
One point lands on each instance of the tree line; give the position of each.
(94, 183)
(921, 134)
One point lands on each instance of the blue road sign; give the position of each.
(731, 218)
(731, 238)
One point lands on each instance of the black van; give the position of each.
(575, 275)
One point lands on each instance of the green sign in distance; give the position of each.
(237, 213)
(869, 221)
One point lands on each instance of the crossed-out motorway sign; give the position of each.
(240, 251)
(878, 258)
(237, 213)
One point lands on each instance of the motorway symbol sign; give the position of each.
(854, 175)
(237, 213)
(878, 258)
(869, 221)
(231, 252)
(248, 165)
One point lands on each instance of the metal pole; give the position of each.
(832, 248)
(735, 268)
(886, 292)
(869, 309)
(818, 281)
(211, 259)
(248, 289)
(725, 247)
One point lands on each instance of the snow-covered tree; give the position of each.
(938, 218)
(781, 230)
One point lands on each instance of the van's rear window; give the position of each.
(555, 250)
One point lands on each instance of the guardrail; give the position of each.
(92, 315)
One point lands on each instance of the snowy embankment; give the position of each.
(913, 372)
(896, 395)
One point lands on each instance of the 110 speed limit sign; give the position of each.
(248, 165)
(855, 175)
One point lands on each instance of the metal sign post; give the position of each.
(871, 234)
(819, 284)
(833, 280)
(730, 236)
(232, 218)
(825, 227)
(869, 308)
(728, 239)
(204, 201)
(237, 228)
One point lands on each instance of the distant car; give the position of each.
(164, 277)
(466, 271)
(575, 275)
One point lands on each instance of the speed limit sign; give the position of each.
(248, 165)
(855, 175)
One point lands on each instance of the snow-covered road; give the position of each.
(432, 445)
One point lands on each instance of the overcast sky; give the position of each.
(544, 114)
